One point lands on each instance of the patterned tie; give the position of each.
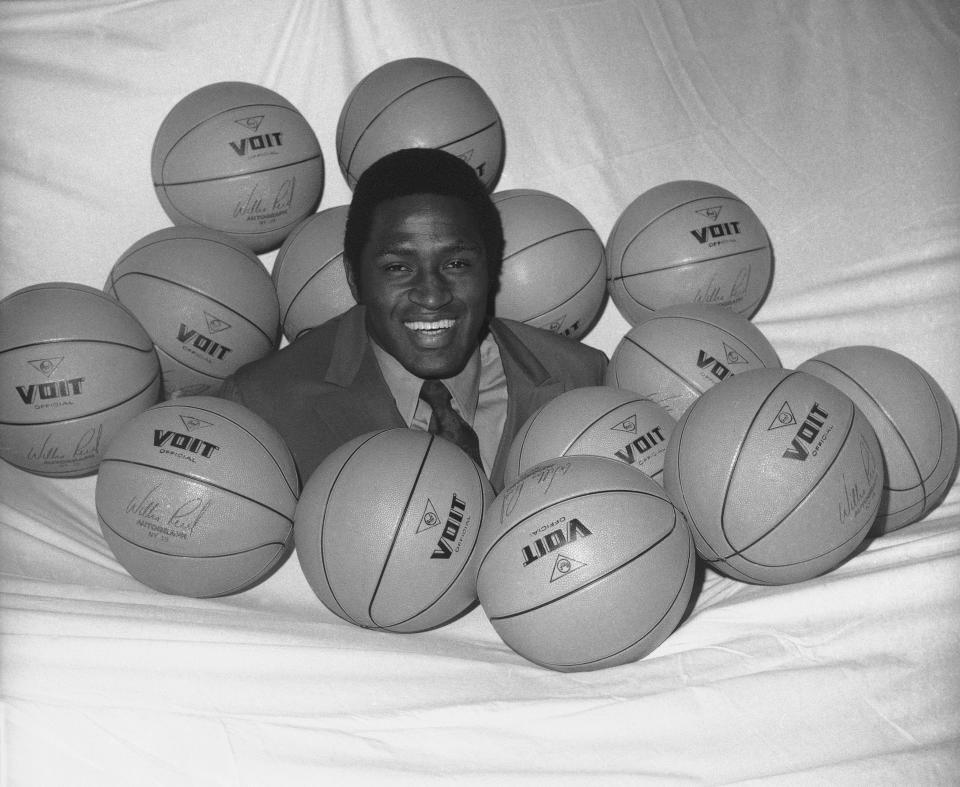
(446, 422)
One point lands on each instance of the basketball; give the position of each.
(779, 475)
(914, 422)
(584, 563)
(416, 102)
(240, 159)
(196, 497)
(386, 528)
(687, 241)
(677, 353)
(309, 273)
(599, 420)
(553, 272)
(75, 366)
(207, 302)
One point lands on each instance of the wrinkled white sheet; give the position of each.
(838, 122)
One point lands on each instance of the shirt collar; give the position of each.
(405, 386)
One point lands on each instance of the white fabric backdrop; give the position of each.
(838, 122)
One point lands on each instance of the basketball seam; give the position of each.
(396, 531)
(388, 105)
(857, 536)
(895, 428)
(198, 479)
(733, 466)
(571, 496)
(688, 567)
(546, 238)
(225, 178)
(739, 552)
(473, 133)
(187, 132)
(696, 391)
(228, 419)
(210, 298)
(463, 566)
(323, 520)
(671, 209)
(86, 415)
(733, 337)
(122, 537)
(595, 580)
(51, 473)
(307, 283)
(679, 453)
(685, 263)
(145, 350)
(576, 292)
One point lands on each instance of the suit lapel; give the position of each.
(529, 387)
(360, 400)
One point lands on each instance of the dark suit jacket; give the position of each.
(326, 387)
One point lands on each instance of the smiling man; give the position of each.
(423, 246)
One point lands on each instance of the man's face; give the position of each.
(424, 281)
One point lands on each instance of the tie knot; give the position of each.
(446, 422)
(436, 394)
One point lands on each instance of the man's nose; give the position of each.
(430, 290)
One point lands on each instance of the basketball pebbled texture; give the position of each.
(207, 302)
(678, 352)
(913, 419)
(778, 473)
(687, 241)
(309, 273)
(553, 274)
(386, 529)
(238, 158)
(419, 103)
(584, 564)
(76, 365)
(599, 420)
(196, 497)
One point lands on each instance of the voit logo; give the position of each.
(51, 392)
(198, 342)
(451, 535)
(807, 440)
(478, 168)
(563, 532)
(185, 444)
(718, 231)
(557, 326)
(633, 451)
(720, 369)
(256, 142)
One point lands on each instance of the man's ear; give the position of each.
(351, 281)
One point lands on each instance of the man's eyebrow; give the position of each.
(404, 248)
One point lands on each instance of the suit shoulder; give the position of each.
(561, 355)
(305, 358)
(540, 338)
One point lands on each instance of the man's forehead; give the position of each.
(422, 217)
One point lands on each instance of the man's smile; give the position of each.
(429, 327)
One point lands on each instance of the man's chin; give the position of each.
(435, 365)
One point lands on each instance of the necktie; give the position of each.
(446, 422)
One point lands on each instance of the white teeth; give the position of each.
(438, 325)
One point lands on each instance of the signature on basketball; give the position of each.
(670, 400)
(187, 516)
(718, 290)
(541, 479)
(87, 446)
(856, 496)
(259, 204)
